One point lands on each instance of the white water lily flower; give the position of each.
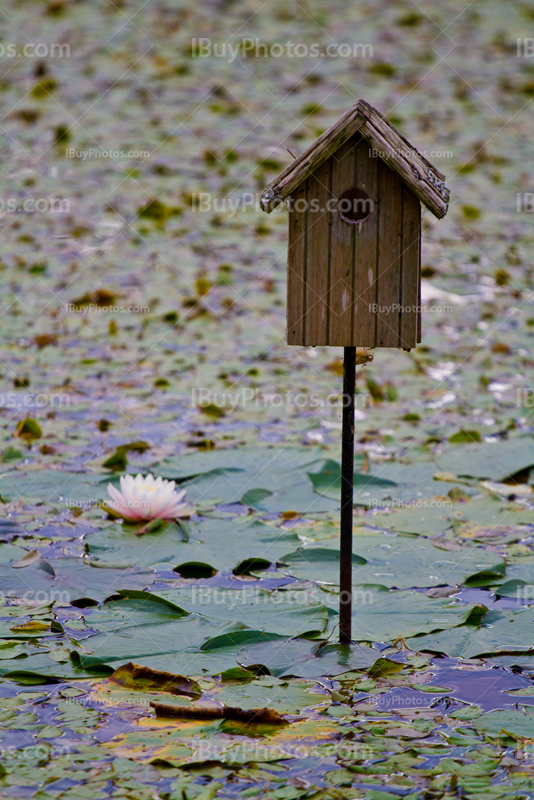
(147, 498)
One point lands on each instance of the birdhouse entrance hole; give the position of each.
(354, 206)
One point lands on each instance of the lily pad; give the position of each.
(496, 461)
(382, 616)
(402, 562)
(499, 631)
(518, 723)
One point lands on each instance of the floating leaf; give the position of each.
(30, 558)
(212, 410)
(257, 716)
(11, 454)
(516, 723)
(383, 667)
(117, 462)
(28, 429)
(136, 676)
(463, 437)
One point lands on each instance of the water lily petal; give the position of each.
(147, 498)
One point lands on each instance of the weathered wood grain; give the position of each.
(365, 250)
(411, 225)
(318, 250)
(424, 180)
(296, 267)
(419, 291)
(341, 294)
(389, 257)
(354, 284)
(323, 147)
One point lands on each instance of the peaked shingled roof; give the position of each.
(423, 179)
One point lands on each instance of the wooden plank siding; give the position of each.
(318, 249)
(389, 257)
(418, 339)
(366, 251)
(342, 240)
(354, 284)
(296, 267)
(410, 271)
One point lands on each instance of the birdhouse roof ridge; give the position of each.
(419, 175)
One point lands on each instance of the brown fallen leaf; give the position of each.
(255, 715)
(501, 348)
(29, 558)
(33, 626)
(136, 676)
(44, 339)
(290, 515)
(100, 297)
(47, 449)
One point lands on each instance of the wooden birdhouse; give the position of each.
(354, 254)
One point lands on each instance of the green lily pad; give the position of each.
(492, 460)
(402, 562)
(518, 723)
(500, 630)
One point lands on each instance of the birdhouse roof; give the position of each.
(423, 179)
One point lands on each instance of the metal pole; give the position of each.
(347, 495)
